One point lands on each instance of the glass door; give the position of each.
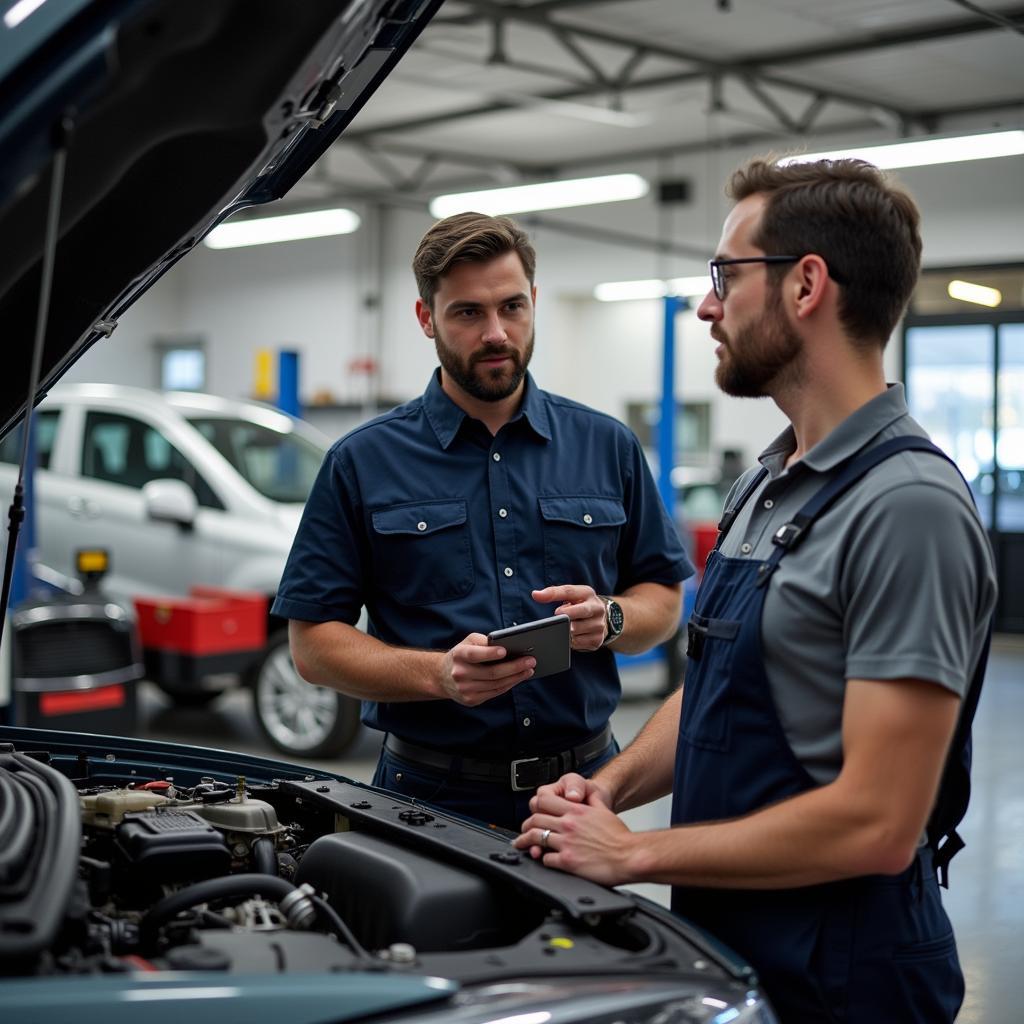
(965, 386)
(950, 381)
(1009, 513)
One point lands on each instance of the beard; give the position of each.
(760, 356)
(486, 384)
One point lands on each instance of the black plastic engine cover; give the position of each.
(387, 894)
(172, 846)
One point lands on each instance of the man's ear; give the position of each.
(810, 285)
(425, 318)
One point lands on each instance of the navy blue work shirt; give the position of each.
(442, 529)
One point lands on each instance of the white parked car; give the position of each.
(183, 490)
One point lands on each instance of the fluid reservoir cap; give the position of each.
(562, 943)
(402, 953)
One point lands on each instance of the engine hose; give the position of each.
(264, 856)
(333, 920)
(203, 892)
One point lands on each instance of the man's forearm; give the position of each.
(643, 771)
(820, 836)
(344, 658)
(867, 821)
(651, 615)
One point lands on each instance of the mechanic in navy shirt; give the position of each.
(484, 503)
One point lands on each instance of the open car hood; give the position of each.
(174, 115)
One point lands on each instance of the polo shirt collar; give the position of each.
(445, 417)
(845, 440)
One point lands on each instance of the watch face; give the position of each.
(615, 618)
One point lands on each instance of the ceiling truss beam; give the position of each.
(753, 74)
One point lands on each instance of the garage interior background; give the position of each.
(497, 93)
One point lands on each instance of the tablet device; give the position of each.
(547, 640)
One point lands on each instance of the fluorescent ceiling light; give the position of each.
(619, 291)
(923, 152)
(545, 195)
(20, 11)
(979, 293)
(287, 228)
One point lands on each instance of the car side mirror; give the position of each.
(170, 501)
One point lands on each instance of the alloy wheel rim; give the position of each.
(297, 714)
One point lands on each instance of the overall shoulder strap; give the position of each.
(790, 535)
(733, 510)
(955, 788)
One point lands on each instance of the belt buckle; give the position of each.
(514, 773)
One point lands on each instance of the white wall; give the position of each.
(128, 356)
(312, 296)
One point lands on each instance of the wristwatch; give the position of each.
(613, 617)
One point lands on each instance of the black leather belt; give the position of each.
(521, 774)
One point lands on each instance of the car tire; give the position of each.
(188, 697)
(296, 717)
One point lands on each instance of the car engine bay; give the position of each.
(120, 860)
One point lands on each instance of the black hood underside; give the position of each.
(179, 114)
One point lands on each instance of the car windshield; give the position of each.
(281, 466)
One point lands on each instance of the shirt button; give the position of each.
(746, 549)
(503, 512)
(768, 503)
(496, 456)
(508, 571)
(588, 518)
(526, 721)
(421, 526)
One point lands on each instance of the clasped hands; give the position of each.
(470, 673)
(572, 827)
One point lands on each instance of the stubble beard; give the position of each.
(487, 385)
(761, 357)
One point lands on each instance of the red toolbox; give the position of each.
(213, 630)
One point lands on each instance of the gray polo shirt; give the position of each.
(896, 580)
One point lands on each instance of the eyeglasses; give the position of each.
(718, 280)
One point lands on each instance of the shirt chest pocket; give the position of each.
(581, 539)
(421, 551)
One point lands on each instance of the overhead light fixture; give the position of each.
(965, 291)
(925, 152)
(20, 11)
(654, 288)
(286, 228)
(544, 195)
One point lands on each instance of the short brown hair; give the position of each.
(468, 238)
(865, 227)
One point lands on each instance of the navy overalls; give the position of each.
(873, 949)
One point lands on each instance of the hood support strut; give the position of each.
(16, 513)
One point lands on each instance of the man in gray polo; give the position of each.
(839, 626)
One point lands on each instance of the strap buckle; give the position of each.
(787, 535)
(695, 637)
(517, 785)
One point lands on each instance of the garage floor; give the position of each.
(986, 898)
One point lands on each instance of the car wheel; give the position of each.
(188, 697)
(296, 717)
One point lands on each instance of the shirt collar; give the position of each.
(845, 440)
(445, 417)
